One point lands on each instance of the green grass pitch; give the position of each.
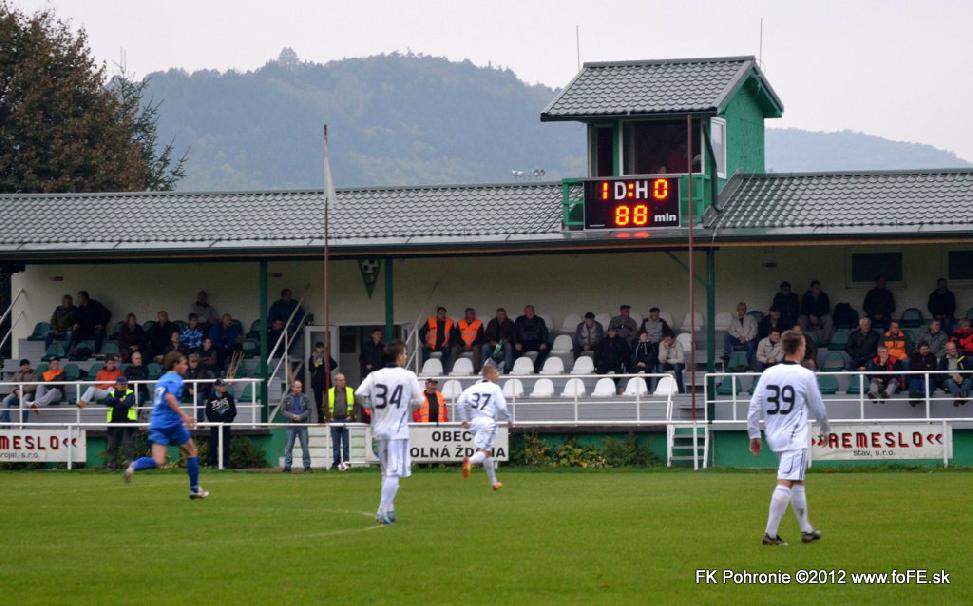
(549, 537)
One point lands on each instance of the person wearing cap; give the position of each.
(341, 409)
(788, 303)
(120, 402)
(195, 393)
(220, 408)
(25, 374)
(433, 408)
(588, 335)
(624, 324)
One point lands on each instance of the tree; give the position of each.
(63, 126)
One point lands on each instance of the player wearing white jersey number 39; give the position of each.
(784, 395)
(391, 393)
(480, 406)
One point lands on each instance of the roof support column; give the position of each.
(710, 325)
(389, 301)
(262, 279)
(617, 148)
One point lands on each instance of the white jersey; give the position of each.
(391, 393)
(784, 394)
(485, 400)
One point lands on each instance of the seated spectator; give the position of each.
(881, 386)
(159, 334)
(655, 327)
(957, 382)
(93, 317)
(283, 307)
(498, 341)
(120, 402)
(672, 358)
(740, 334)
(105, 380)
(208, 358)
(772, 320)
(530, 334)
(64, 322)
(433, 408)
(196, 372)
(612, 353)
(625, 325)
(963, 337)
(225, 336)
(895, 341)
(861, 347)
(469, 337)
(274, 333)
(935, 337)
(24, 374)
(49, 394)
(130, 337)
(942, 305)
(437, 335)
(810, 360)
(922, 361)
(879, 304)
(769, 351)
(205, 312)
(372, 353)
(816, 312)
(788, 304)
(220, 408)
(646, 355)
(138, 371)
(192, 336)
(588, 335)
(174, 344)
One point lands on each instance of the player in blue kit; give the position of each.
(169, 426)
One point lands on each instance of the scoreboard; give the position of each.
(631, 202)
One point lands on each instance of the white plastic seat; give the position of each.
(452, 389)
(513, 388)
(603, 388)
(637, 317)
(604, 320)
(722, 321)
(686, 340)
(584, 365)
(432, 368)
(463, 367)
(553, 366)
(562, 344)
(636, 387)
(667, 386)
(570, 323)
(548, 320)
(543, 388)
(668, 318)
(574, 387)
(700, 323)
(523, 366)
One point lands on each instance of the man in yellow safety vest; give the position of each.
(120, 403)
(341, 409)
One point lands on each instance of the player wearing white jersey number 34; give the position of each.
(391, 393)
(784, 395)
(480, 406)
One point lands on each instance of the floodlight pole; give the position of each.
(328, 188)
(692, 270)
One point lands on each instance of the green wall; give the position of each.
(744, 132)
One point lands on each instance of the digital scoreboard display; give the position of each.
(631, 203)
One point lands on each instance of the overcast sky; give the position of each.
(894, 68)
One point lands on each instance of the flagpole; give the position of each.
(328, 192)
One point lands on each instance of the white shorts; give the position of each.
(484, 438)
(793, 463)
(395, 458)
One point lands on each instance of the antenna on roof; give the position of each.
(577, 43)
(760, 51)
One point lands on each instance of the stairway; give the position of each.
(679, 450)
(319, 445)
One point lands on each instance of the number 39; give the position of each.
(780, 394)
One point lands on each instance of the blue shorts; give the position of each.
(169, 436)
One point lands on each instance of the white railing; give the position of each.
(284, 338)
(15, 322)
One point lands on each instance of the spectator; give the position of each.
(956, 382)
(655, 327)
(612, 354)
(588, 335)
(372, 353)
(93, 317)
(205, 312)
(25, 374)
(192, 336)
(895, 342)
(138, 371)
(646, 355)
(469, 333)
(942, 305)
(963, 337)
(530, 334)
(207, 356)
(224, 336)
(879, 303)
(861, 347)
(882, 386)
(274, 333)
(297, 409)
(769, 350)
(498, 339)
(433, 408)
(742, 333)
(319, 377)
(174, 344)
(105, 378)
(220, 408)
(810, 360)
(816, 312)
(196, 372)
(935, 337)
(120, 401)
(922, 360)
(283, 307)
(788, 303)
(672, 358)
(159, 334)
(625, 325)
(130, 337)
(64, 322)
(47, 395)
(769, 322)
(341, 409)
(437, 335)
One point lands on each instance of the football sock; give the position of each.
(799, 505)
(143, 463)
(491, 470)
(478, 457)
(192, 468)
(778, 505)
(390, 486)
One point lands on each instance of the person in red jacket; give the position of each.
(963, 337)
(433, 408)
(106, 380)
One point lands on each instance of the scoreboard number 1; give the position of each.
(631, 203)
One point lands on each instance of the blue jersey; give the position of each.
(162, 414)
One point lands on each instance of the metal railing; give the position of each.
(15, 322)
(285, 337)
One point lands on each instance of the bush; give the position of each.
(532, 451)
(627, 453)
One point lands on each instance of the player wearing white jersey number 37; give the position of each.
(480, 406)
(784, 395)
(391, 393)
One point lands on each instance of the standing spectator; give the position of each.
(788, 303)
(48, 394)
(672, 358)
(882, 386)
(341, 409)
(773, 320)
(192, 336)
(530, 334)
(613, 354)
(433, 408)
(963, 337)
(207, 356)
(894, 341)
(498, 339)
(93, 317)
(64, 322)
(957, 382)
(159, 334)
(372, 353)
(769, 351)
(25, 374)
(646, 355)
(319, 377)
(469, 333)
(174, 344)
(204, 311)
(588, 335)
(922, 361)
(120, 401)
(741, 333)
(879, 303)
(935, 337)
(861, 347)
(201, 391)
(816, 312)
(220, 408)
(283, 307)
(625, 325)
(105, 378)
(297, 409)
(131, 338)
(224, 336)
(138, 371)
(942, 305)
(655, 327)
(437, 335)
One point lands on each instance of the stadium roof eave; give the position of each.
(819, 235)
